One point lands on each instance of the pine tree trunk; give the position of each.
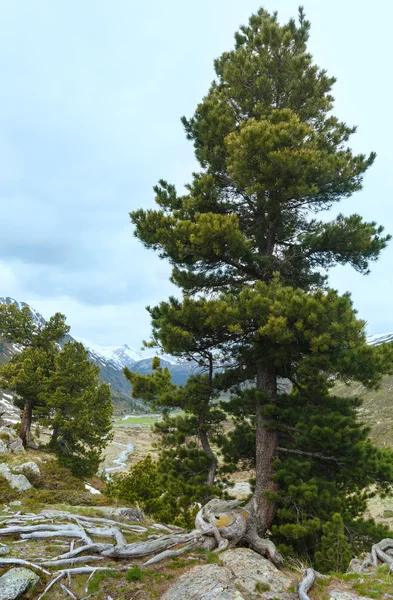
(213, 459)
(55, 435)
(261, 509)
(25, 429)
(203, 435)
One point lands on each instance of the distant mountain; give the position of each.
(111, 361)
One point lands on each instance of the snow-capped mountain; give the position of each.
(37, 318)
(123, 355)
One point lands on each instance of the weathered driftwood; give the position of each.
(169, 554)
(19, 562)
(50, 585)
(306, 584)
(218, 524)
(68, 591)
(380, 552)
(70, 561)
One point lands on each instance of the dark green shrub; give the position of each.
(335, 551)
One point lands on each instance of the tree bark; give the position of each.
(213, 458)
(55, 435)
(203, 434)
(260, 508)
(25, 429)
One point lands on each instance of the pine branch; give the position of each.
(311, 454)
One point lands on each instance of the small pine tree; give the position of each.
(188, 436)
(335, 550)
(154, 487)
(80, 410)
(25, 374)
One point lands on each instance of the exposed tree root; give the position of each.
(218, 524)
(306, 584)
(380, 552)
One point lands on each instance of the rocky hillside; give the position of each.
(60, 540)
(110, 360)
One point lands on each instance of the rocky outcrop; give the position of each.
(130, 515)
(8, 442)
(210, 582)
(27, 468)
(16, 582)
(242, 572)
(338, 595)
(16, 446)
(18, 482)
(250, 570)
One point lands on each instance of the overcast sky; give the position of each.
(91, 98)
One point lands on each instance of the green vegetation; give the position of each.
(335, 551)
(80, 410)
(131, 420)
(58, 388)
(99, 577)
(135, 574)
(251, 257)
(27, 372)
(147, 485)
(262, 587)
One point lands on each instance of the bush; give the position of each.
(146, 485)
(7, 493)
(335, 550)
(55, 477)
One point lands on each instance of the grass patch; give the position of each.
(137, 421)
(180, 564)
(262, 587)
(135, 574)
(99, 577)
(377, 586)
(213, 558)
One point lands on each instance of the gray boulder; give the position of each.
(16, 446)
(250, 571)
(28, 467)
(18, 482)
(32, 445)
(16, 582)
(3, 447)
(6, 434)
(243, 573)
(337, 595)
(209, 582)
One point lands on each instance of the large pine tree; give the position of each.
(245, 241)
